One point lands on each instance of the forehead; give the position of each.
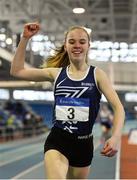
(77, 33)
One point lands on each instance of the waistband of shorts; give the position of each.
(70, 135)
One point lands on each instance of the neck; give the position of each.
(78, 67)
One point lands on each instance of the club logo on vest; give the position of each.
(90, 85)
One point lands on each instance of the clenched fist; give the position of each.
(30, 29)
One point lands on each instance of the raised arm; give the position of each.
(111, 146)
(17, 65)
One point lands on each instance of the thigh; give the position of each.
(78, 172)
(56, 165)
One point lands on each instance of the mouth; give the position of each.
(77, 52)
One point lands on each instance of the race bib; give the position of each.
(72, 109)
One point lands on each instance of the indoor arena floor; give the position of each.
(23, 159)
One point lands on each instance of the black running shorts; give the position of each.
(77, 149)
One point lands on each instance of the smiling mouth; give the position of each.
(76, 52)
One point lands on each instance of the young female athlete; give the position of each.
(77, 89)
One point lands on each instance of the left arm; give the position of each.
(110, 147)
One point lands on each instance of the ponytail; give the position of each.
(60, 59)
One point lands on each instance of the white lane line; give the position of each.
(27, 171)
(25, 141)
(36, 149)
(117, 169)
(20, 157)
(21, 149)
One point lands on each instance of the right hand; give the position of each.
(30, 29)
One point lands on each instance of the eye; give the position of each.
(83, 41)
(71, 41)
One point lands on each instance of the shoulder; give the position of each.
(102, 79)
(53, 72)
(100, 74)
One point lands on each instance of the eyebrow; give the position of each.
(79, 39)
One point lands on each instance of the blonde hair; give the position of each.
(61, 58)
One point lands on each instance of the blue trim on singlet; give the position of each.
(79, 102)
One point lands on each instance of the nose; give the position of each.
(77, 44)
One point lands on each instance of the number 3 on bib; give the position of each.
(75, 109)
(71, 113)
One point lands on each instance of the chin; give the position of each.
(77, 59)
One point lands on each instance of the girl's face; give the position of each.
(77, 45)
